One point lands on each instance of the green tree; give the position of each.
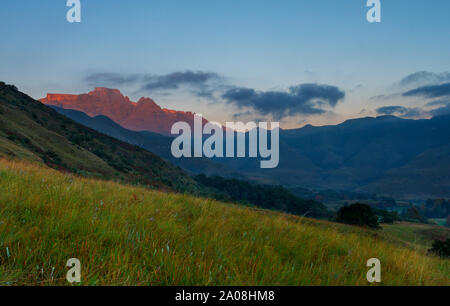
(358, 214)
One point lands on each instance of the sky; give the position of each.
(294, 61)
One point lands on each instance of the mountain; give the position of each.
(386, 155)
(145, 115)
(153, 142)
(31, 131)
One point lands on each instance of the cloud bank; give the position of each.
(305, 99)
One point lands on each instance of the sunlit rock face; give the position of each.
(144, 115)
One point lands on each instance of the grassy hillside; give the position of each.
(127, 235)
(416, 235)
(32, 131)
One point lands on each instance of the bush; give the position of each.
(441, 248)
(358, 214)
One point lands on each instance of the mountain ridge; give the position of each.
(143, 115)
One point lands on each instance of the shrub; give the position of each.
(441, 248)
(358, 214)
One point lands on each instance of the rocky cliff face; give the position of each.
(144, 115)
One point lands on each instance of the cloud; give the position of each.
(199, 82)
(401, 111)
(430, 91)
(176, 79)
(422, 78)
(439, 102)
(306, 99)
(390, 110)
(385, 97)
(110, 79)
(444, 110)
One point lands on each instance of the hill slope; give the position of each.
(134, 236)
(32, 131)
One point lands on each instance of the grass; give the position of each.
(125, 235)
(416, 235)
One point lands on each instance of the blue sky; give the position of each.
(266, 46)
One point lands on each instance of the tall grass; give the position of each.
(125, 235)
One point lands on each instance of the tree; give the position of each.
(441, 248)
(358, 214)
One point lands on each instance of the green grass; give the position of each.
(125, 235)
(416, 235)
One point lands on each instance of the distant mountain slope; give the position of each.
(145, 115)
(32, 131)
(385, 155)
(153, 142)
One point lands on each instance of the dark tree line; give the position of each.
(264, 196)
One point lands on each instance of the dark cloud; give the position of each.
(430, 91)
(424, 78)
(307, 99)
(176, 79)
(110, 79)
(200, 83)
(401, 111)
(390, 110)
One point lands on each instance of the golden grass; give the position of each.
(126, 235)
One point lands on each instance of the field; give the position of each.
(127, 235)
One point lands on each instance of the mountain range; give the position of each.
(144, 115)
(386, 155)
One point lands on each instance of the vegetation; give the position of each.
(441, 248)
(126, 235)
(413, 215)
(265, 196)
(435, 208)
(358, 214)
